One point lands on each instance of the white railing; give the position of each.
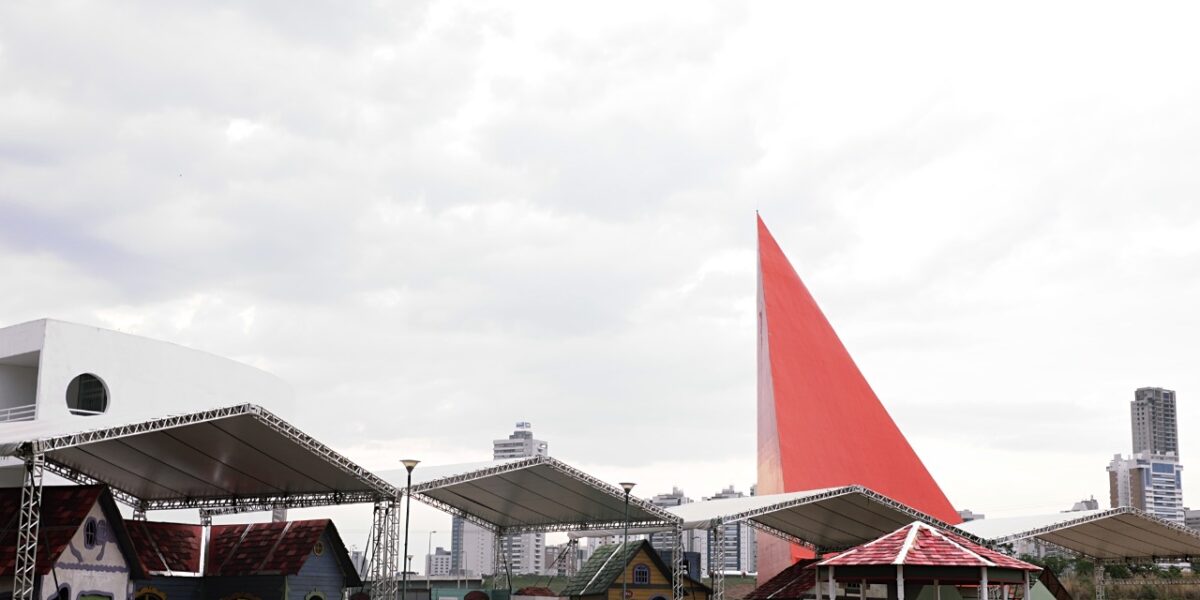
(18, 413)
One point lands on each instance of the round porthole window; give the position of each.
(319, 548)
(87, 395)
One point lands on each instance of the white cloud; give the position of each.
(440, 218)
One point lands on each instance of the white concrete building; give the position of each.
(59, 371)
(438, 563)
(741, 547)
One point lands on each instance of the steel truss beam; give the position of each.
(25, 567)
(787, 536)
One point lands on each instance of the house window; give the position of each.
(87, 395)
(315, 596)
(94, 596)
(641, 574)
(318, 550)
(89, 533)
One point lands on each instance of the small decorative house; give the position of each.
(638, 565)
(84, 551)
(283, 560)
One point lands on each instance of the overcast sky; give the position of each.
(434, 219)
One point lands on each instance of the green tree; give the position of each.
(1118, 571)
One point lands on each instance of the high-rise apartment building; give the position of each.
(1191, 518)
(1150, 482)
(472, 548)
(741, 547)
(1151, 479)
(438, 563)
(1152, 414)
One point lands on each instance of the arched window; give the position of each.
(641, 574)
(87, 395)
(89, 533)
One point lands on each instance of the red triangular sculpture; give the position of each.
(819, 423)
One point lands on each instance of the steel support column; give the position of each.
(25, 567)
(716, 560)
(1098, 577)
(677, 563)
(383, 558)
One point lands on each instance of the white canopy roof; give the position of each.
(1114, 534)
(241, 456)
(828, 519)
(527, 494)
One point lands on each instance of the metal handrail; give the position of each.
(18, 413)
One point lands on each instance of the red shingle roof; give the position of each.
(162, 547)
(792, 582)
(64, 509)
(920, 544)
(278, 548)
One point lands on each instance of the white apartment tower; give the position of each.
(1152, 478)
(472, 548)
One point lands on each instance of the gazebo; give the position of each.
(919, 555)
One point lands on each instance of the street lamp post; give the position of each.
(627, 486)
(409, 465)
(429, 558)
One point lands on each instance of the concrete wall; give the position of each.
(144, 377)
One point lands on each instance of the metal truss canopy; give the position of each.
(238, 457)
(828, 519)
(1118, 534)
(528, 494)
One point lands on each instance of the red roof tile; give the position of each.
(792, 582)
(278, 548)
(64, 509)
(920, 544)
(162, 547)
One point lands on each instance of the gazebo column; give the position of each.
(832, 585)
(937, 589)
(817, 584)
(1028, 587)
(983, 583)
(862, 590)
(900, 582)
(25, 563)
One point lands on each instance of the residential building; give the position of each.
(968, 515)
(1152, 414)
(438, 563)
(472, 548)
(663, 542)
(1150, 482)
(1088, 504)
(741, 547)
(1191, 518)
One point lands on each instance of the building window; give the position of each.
(87, 395)
(63, 593)
(149, 593)
(318, 550)
(90, 528)
(641, 574)
(315, 595)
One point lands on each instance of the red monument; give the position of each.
(819, 423)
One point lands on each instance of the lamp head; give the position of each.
(409, 464)
(627, 486)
